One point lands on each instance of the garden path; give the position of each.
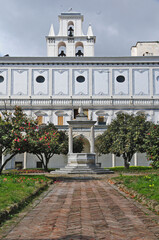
(88, 209)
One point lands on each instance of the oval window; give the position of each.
(40, 79)
(157, 78)
(80, 79)
(120, 79)
(1, 79)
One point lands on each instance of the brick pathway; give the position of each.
(88, 210)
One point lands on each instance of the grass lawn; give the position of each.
(14, 188)
(133, 169)
(147, 185)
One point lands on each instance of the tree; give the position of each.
(124, 137)
(152, 145)
(47, 141)
(12, 134)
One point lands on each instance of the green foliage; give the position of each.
(78, 144)
(132, 169)
(13, 128)
(15, 188)
(147, 185)
(124, 137)
(19, 134)
(152, 145)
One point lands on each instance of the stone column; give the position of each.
(135, 160)
(25, 160)
(92, 140)
(113, 160)
(3, 161)
(70, 140)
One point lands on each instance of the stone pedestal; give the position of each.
(84, 159)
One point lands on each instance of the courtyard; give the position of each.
(84, 207)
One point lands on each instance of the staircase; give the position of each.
(82, 169)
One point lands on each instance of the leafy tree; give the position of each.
(152, 145)
(78, 144)
(12, 134)
(47, 141)
(124, 137)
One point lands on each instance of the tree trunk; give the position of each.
(7, 160)
(41, 158)
(46, 163)
(126, 163)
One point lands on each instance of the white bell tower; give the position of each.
(70, 41)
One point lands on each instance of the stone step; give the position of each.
(82, 170)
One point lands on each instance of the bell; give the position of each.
(62, 54)
(79, 53)
(70, 32)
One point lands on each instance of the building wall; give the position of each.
(67, 88)
(145, 49)
(59, 161)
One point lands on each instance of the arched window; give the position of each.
(70, 29)
(79, 49)
(61, 49)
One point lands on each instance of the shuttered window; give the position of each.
(60, 120)
(40, 120)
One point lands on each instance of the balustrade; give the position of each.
(78, 102)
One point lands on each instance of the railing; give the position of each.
(77, 102)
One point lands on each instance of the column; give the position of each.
(92, 139)
(113, 160)
(70, 140)
(25, 160)
(3, 161)
(135, 159)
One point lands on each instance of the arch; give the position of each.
(40, 113)
(86, 143)
(70, 29)
(40, 117)
(61, 49)
(119, 112)
(79, 49)
(141, 113)
(61, 113)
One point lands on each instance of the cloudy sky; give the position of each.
(117, 24)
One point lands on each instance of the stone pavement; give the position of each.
(88, 209)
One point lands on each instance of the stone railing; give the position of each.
(110, 102)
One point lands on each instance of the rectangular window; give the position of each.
(40, 120)
(101, 120)
(85, 112)
(18, 165)
(60, 120)
(76, 112)
(39, 165)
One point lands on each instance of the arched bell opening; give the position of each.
(62, 49)
(70, 29)
(79, 49)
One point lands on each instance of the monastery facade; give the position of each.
(52, 88)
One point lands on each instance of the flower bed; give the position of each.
(26, 171)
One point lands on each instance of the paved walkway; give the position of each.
(88, 210)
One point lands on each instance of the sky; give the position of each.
(117, 24)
